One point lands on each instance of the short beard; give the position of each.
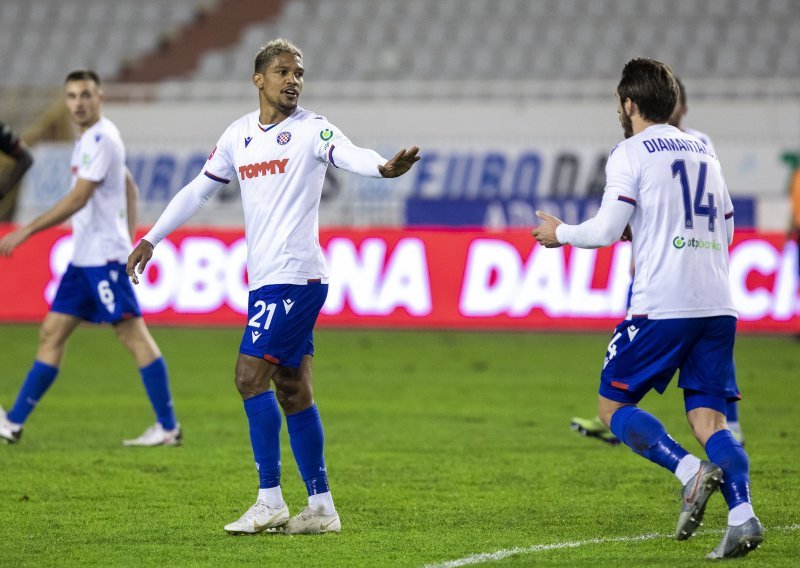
(286, 109)
(627, 124)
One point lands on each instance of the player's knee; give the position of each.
(292, 390)
(50, 336)
(247, 385)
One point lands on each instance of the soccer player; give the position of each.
(12, 146)
(102, 205)
(670, 188)
(279, 154)
(594, 427)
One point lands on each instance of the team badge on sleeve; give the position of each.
(326, 134)
(283, 138)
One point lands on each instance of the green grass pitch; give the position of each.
(439, 445)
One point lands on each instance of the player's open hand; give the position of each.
(400, 164)
(138, 259)
(545, 233)
(11, 241)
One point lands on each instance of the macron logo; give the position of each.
(247, 140)
(287, 305)
(255, 335)
(114, 275)
(262, 168)
(632, 331)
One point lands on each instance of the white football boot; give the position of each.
(309, 521)
(155, 435)
(10, 433)
(258, 518)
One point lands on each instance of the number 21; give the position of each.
(262, 307)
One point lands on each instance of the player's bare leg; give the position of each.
(136, 338)
(53, 335)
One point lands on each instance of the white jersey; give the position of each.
(703, 137)
(680, 237)
(100, 228)
(281, 169)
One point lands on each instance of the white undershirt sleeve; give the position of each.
(361, 161)
(186, 203)
(602, 230)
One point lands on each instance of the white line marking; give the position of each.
(505, 553)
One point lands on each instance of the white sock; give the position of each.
(272, 496)
(740, 514)
(687, 468)
(322, 503)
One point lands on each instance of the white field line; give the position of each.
(505, 553)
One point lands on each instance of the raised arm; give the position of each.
(366, 162)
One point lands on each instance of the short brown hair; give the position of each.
(652, 86)
(83, 75)
(271, 50)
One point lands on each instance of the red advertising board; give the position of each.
(412, 278)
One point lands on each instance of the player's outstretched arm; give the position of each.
(401, 163)
(71, 203)
(138, 259)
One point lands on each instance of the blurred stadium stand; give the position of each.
(512, 52)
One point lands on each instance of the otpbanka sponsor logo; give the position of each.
(680, 243)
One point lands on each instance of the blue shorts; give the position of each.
(99, 294)
(644, 354)
(280, 321)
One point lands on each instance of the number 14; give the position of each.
(710, 211)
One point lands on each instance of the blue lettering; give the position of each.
(424, 174)
(160, 186)
(526, 175)
(682, 144)
(194, 166)
(672, 145)
(457, 175)
(650, 146)
(136, 167)
(494, 166)
(662, 145)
